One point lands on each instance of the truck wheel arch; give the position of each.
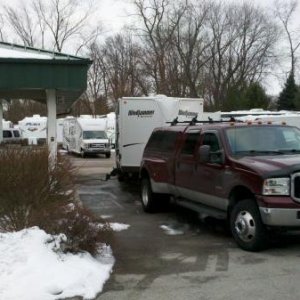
(144, 173)
(237, 194)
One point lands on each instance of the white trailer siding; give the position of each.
(33, 128)
(138, 116)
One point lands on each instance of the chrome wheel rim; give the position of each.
(245, 226)
(145, 196)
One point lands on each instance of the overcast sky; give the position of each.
(114, 14)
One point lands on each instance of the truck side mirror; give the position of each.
(203, 153)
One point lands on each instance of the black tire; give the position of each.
(148, 198)
(246, 226)
(107, 155)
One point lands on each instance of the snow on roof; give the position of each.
(21, 53)
(12, 51)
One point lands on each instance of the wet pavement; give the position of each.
(173, 255)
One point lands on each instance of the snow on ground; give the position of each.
(31, 268)
(118, 226)
(171, 231)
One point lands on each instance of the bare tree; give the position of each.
(243, 40)
(55, 23)
(285, 11)
(192, 43)
(2, 38)
(160, 21)
(119, 60)
(22, 23)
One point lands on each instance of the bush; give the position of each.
(31, 194)
(26, 184)
(82, 229)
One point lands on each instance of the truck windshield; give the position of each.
(88, 135)
(263, 140)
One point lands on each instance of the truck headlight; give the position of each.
(276, 186)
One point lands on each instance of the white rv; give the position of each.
(291, 119)
(85, 135)
(111, 128)
(136, 117)
(34, 129)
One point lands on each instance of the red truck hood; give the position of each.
(270, 165)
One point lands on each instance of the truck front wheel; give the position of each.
(246, 226)
(147, 196)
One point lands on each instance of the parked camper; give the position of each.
(111, 128)
(59, 130)
(136, 117)
(34, 129)
(291, 119)
(7, 124)
(85, 135)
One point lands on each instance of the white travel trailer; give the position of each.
(34, 129)
(291, 119)
(59, 130)
(255, 112)
(85, 135)
(111, 128)
(136, 117)
(7, 124)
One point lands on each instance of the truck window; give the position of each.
(264, 138)
(162, 141)
(211, 140)
(190, 143)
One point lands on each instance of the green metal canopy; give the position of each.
(50, 77)
(27, 73)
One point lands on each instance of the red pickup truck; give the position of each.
(248, 174)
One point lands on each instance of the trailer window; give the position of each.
(88, 135)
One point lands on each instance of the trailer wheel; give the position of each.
(82, 154)
(246, 226)
(149, 199)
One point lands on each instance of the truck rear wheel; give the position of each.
(246, 226)
(147, 196)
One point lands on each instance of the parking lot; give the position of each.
(174, 255)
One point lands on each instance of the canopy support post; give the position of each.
(51, 127)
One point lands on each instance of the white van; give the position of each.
(85, 135)
(11, 135)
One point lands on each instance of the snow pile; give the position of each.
(32, 268)
(118, 226)
(171, 231)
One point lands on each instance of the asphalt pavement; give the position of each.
(174, 255)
